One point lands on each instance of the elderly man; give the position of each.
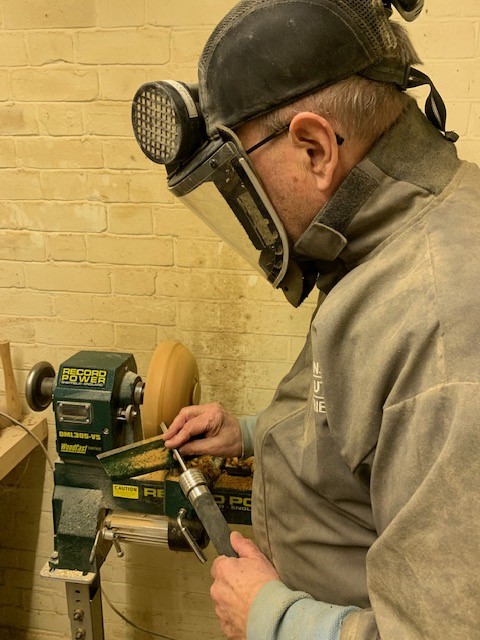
(366, 489)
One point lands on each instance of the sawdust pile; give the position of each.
(243, 466)
(210, 466)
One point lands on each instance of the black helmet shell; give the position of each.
(266, 53)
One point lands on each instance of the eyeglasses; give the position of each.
(279, 132)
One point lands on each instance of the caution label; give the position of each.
(125, 491)
(84, 377)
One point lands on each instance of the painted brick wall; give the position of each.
(94, 253)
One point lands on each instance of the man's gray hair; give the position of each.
(361, 109)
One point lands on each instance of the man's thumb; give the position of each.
(243, 546)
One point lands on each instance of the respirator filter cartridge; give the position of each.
(166, 121)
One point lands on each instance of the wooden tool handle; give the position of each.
(215, 524)
(14, 406)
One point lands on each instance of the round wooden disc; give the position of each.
(172, 383)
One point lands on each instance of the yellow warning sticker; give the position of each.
(125, 491)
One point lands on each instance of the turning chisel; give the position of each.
(148, 455)
(195, 488)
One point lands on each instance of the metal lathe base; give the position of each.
(84, 602)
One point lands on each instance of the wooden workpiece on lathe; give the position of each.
(172, 383)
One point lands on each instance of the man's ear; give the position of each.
(315, 135)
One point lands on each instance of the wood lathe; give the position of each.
(114, 480)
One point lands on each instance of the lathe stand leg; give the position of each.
(84, 602)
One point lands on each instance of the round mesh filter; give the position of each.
(155, 123)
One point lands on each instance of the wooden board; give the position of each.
(16, 444)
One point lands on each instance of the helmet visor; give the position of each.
(220, 186)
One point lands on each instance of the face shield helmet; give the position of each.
(263, 55)
(213, 177)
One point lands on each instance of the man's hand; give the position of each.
(237, 582)
(205, 428)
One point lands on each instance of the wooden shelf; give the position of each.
(16, 444)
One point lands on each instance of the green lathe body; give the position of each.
(92, 389)
(96, 401)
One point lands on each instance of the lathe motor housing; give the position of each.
(96, 398)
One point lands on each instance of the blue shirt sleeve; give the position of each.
(247, 425)
(277, 613)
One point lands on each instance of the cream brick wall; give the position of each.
(94, 252)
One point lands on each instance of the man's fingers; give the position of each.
(243, 546)
(190, 424)
(198, 447)
(215, 568)
(175, 427)
(185, 414)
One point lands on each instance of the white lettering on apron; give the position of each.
(318, 399)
